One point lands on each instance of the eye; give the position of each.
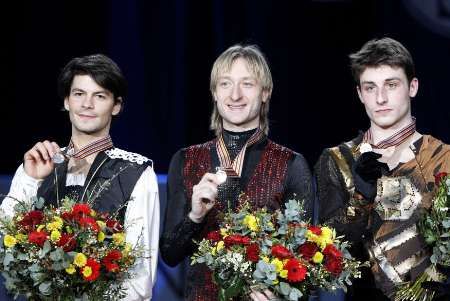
(77, 93)
(392, 85)
(369, 89)
(100, 96)
(248, 84)
(224, 84)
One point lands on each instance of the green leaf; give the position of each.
(8, 259)
(45, 288)
(235, 287)
(45, 249)
(22, 256)
(39, 203)
(295, 294)
(57, 255)
(285, 288)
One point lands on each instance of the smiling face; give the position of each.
(386, 95)
(239, 96)
(90, 107)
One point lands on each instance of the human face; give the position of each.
(239, 96)
(90, 107)
(386, 95)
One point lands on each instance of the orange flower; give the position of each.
(91, 270)
(296, 270)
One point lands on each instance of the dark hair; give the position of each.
(101, 68)
(385, 51)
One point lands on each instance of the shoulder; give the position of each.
(434, 148)
(117, 153)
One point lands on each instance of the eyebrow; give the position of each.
(386, 80)
(96, 92)
(243, 78)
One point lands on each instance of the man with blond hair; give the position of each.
(267, 173)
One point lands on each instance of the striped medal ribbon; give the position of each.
(234, 168)
(393, 140)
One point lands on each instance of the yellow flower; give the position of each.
(275, 282)
(318, 257)
(9, 241)
(40, 227)
(21, 237)
(87, 271)
(265, 259)
(127, 249)
(55, 235)
(327, 233)
(220, 245)
(278, 264)
(223, 232)
(101, 224)
(93, 213)
(251, 222)
(101, 236)
(119, 238)
(71, 269)
(80, 260)
(284, 274)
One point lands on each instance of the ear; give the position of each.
(358, 89)
(66, 103)
(265, 95)
(117, 106)
(413, 87)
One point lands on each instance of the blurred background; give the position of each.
(166, 49)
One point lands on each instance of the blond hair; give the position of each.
(258, 67)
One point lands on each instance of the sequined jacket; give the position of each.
(271, 174)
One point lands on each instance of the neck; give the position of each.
(80, 140)
(380, 133)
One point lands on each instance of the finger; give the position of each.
(33, 155)
(42, 150)
(211, 178)
(56, 147)
(50, 149)
(269, 294)
(259, 296)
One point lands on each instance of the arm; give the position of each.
(299, 183)
(178, 229)
(142, 222)
(23, 187)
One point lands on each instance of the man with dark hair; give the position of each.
(93, 88)
(267, 173)
(376, 187)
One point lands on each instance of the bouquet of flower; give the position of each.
(435, 228)
(66, 253)
(256, 249)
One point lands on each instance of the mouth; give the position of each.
(236, 107)
(381, 111)
(86, 116)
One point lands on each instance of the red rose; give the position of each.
(80, 210)
(214, 236)
(438, 177)
(252, 251)
(236, 239)
(67, 242)
(308, 249)
(89, 222)
(334, 266)
(38, 238)
(95, 270)
(31, 219)
(110, 260)
(68, 216)
(281, 252)
(296, 270)
(330, 250)
(315, 230)
(114, 225)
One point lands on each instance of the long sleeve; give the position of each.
(299, 183)
(142, 228)
(23, 187)
(178, 230)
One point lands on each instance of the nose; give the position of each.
(236, 93)
(382, 97)
(88, 102)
